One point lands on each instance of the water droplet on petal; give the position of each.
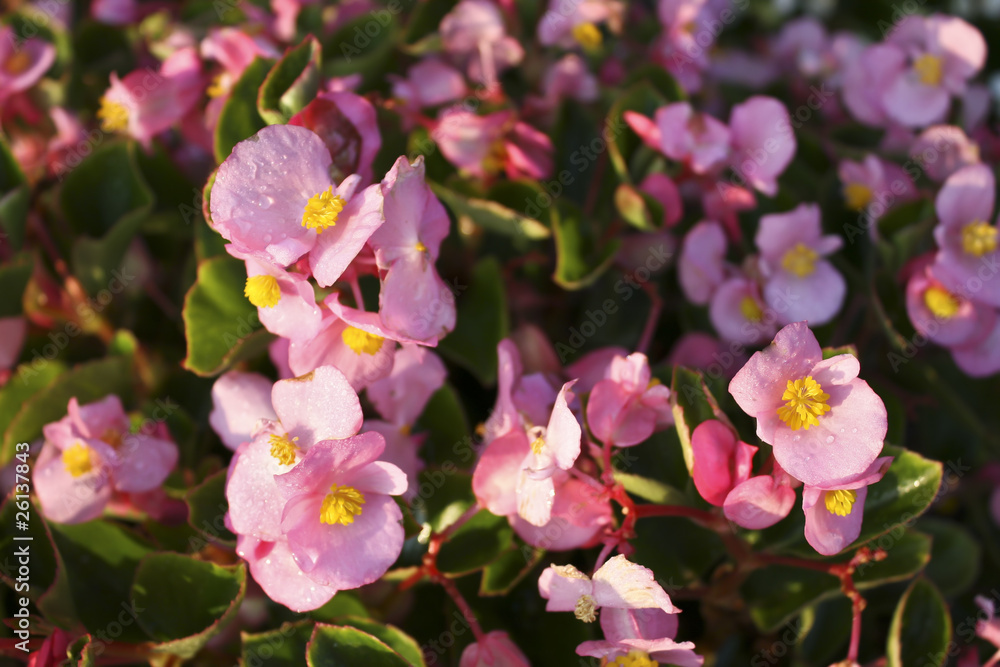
(829, 439)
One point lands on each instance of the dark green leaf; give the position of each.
(476, 544)
(580, 257)
(497, 217)
(955, 555)
(284, 647)
(336, 646)
(14, 276)
(240, 119)
(921, 628)
(291, 84)
(207, 507)
(509, 569)
(393, 637)
(481, 322)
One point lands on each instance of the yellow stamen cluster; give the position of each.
(218, 87)
(857, 196)
(283, 449)
(928, 69)
(322, 210)
(800, 260)
(588, 36)
(806, 401)
(113, 115)
(979, 238)
(341, 505)
(751, 309)
(78, 459)
(361, 342)
(633, 659)
(941, 302)
(17, 63)
(840, 501)
(586, 609)
(537, 445)
(420, 247)
(263, 291)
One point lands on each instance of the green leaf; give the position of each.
(44, 557)
(393, 637)
(638, 208)
(955, 555)
(14, 215)
(185, 601)
(921, 628)
(284, 647)
(447, 429)
(27, 380)
(240, 119)
(362, 46)
(481, 322)
(691, 403)
(580, 257)
(444, 495)
(344, 603)
(88, 382)
(221, 325)
(476, 544)
(336, 646)
(207, 507)
(494, 216)
(830, 352)
(292, 83)
(651, 490)
(644, 99)
(14, 276)
(500, 576)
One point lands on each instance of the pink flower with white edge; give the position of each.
(496, 650)
(640, 638)
(474, 34)
(346, 123)
(834, 512)
(762, 142)
(414, 301)
(966, 238)
(695, 139)
(761, 501)
(800, 284)
(239, 401)
(285, 301)
(22, 62)
(274, 200)
(552, 447)
(721, 461)
(628, 405)
(401, 396)
(739, 314)
(824, 423)
(90, 454)
(701, 267)
(145, 103)
(952, 148)
(944, 317)
(941, 53)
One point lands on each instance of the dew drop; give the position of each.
(265, 201)
(829, 439)
(267, 561)
(854, 430)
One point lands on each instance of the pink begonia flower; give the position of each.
(12, 333)
(695, 139)
(761, 501)
(553, 447)
(861, 181)
(721, 461)
(580, 514)
(800, 284)
(763, 142)
(347, 125)
(571, 23)
(91, 453)
(945, 318)
(496, 650)
(22, 62)
(981, 356)
(967, 240)
(401, 396)
(356, 342)
(988, 628)
(739, 314)
(804, 46)
(834, 512)
(274, 200)
(285, 301)
(473, 33)
(569, 78)
(234, 50)
(414, 301)
(591, 367)
(617, 584)
(685, 22)
(824, 423)
(239, 401)
(145, 103)
(661, 188)
(640, 637)
(428, 83)
(867, 77)
(628, 405)
(701, 267)
(942, 150)
(485, 145)
(941, 54)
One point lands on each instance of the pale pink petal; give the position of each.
(759, 502)
(239, 401)
(274, 568)
(317, 407)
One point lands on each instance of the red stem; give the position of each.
(700, 516)
(470, 617)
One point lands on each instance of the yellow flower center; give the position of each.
(537, 445)
(979, 238)
(633, 659)
(941, 302)
(218, 87)
(361, 341)
(800, 260)
(586, 609)
(263, 291)
(284, 449)
(78, 459)
(322, 210)
(17, 63)
(341, 505)
(113, 115)
(840, 501)
(588, 36)
(928, 69)
(857, 196)
(420, 247)
(806, 401)
(751, 309)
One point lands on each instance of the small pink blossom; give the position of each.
(661, 188)
(702, 267)
(473, 33)
(739, 314)
(496, 650)
(561, 24)
(627, 406)
(617, 584)
(721, 461)
(692, 138)
(483, 146)
(761, 501)
(22, 62)
(944, 317)
(834, 512)
(950, 148)
(763, 143)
